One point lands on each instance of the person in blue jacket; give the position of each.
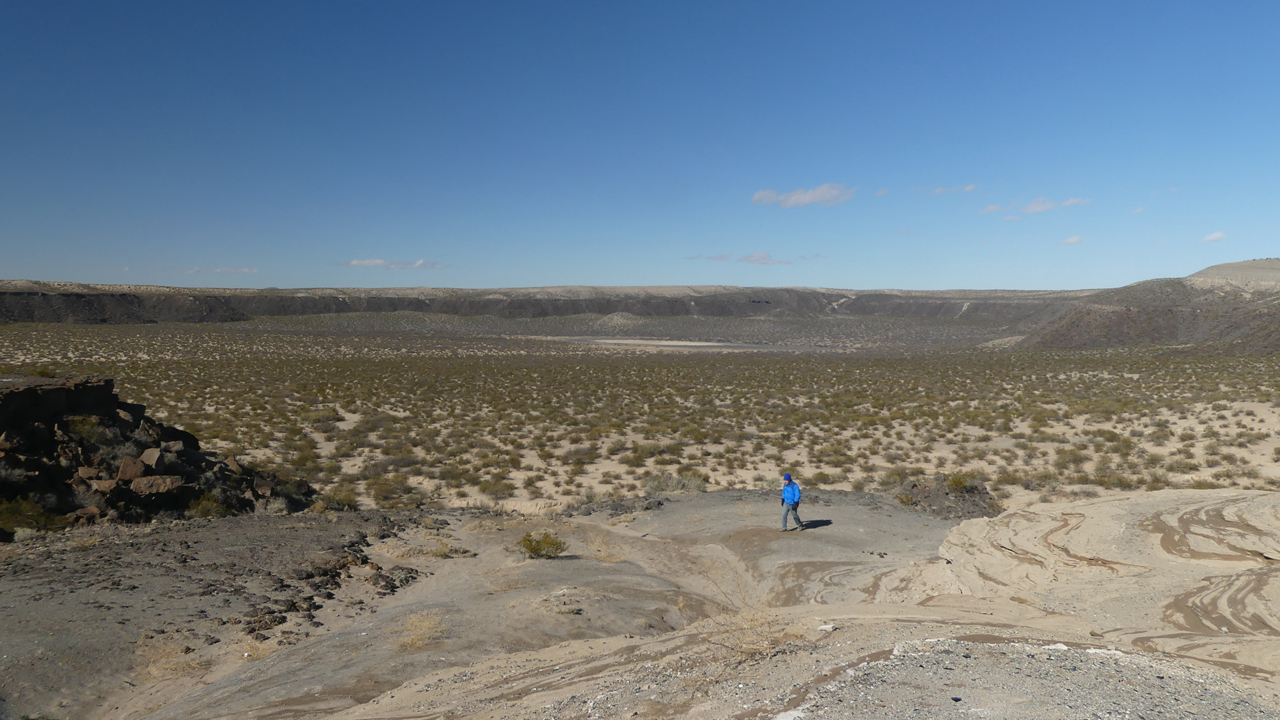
(790, 502)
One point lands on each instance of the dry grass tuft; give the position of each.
(251, 650)
(421, 629)
(170, 656)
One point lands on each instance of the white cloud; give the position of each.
(762, 258)
(392, 265)
(1214, 237)
(882, 192)
(720, 258)
(1043, 204)
(991, 209)
(958, 188)
(1011, 218)
(1039, 205)
(826, 195)
(1073, 240)
(236, 271)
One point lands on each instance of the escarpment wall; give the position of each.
(107, 307)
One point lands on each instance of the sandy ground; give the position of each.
(698, 608)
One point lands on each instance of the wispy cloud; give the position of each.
(1214, 237)
(720, 258)
(882, 192)
(1043, 204)
(1039, 205)
(1011, 218)
(229, 271)
(1073, 240)
(991, 209)
(1139, 211)
(762, 258)
(957, 188)
(404, 265)
(826, 195)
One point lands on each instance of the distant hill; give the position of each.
(1234, 306)
(1230, 307)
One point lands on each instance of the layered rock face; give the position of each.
(72, 452)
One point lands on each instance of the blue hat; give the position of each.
(787, 477)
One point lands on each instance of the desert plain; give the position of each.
(990, 531)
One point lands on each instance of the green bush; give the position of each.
(393, 492)
(341, 496)
(20, 513)
(546, 546)
(498, 489)
(207, 506)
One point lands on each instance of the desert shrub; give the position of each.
(966, 481)
(498, 489)
(206, 506)
(819, 479)
(393, 492)
(22, 513)
(545, 546)
(666, 482)
(89, 429)
(342, 496)
(896, 475)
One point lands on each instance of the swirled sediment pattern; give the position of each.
(1189, 572)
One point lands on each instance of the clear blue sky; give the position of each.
(922, 145)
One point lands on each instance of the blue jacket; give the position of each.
(791, 493)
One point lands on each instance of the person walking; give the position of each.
(790, 502)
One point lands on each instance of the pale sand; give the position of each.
(1182, 575)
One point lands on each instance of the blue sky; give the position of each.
(923, 145)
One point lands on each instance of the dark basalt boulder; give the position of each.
(72, 453)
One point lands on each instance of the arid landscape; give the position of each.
(564, 503)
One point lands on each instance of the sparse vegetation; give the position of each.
(371, 410)
(544, 546)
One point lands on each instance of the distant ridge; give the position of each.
(1230, 307)
(28, 301)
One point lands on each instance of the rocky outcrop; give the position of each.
(72, 452)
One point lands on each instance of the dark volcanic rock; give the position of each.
(65, 457)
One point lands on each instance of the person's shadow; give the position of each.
(811, 524)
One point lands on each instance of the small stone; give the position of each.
(150, 457)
